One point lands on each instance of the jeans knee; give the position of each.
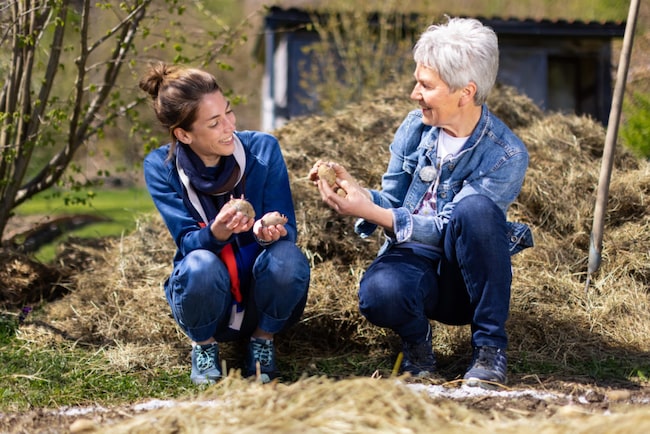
(200, 272)
(198, 293)
(283, 265)
(479, 215)
(476, 204)
(376, 297)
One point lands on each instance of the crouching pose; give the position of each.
(454, 170)
(237, 270)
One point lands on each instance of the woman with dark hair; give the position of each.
(238, 272)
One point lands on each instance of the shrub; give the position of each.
(636, 128)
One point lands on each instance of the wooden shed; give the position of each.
(561, 65)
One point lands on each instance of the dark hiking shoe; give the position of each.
(418, 359)
(488, 368)
(205, 364)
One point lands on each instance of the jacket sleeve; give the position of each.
(165, 189)
(399, 173)
(267, 179)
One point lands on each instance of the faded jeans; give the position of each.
(467, 284)
(198, 292)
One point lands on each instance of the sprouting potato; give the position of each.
(243, 206)
(327, 174)
(274, 218)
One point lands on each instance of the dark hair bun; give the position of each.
(153, 79)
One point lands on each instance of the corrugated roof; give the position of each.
(279, 17)
(558, 27)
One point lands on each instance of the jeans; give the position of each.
(469, 283)
(198, 292)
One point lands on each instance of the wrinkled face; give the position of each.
(440, 106)
(211, 134)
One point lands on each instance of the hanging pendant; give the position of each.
(428, 173)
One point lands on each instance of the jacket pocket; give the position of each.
(520, 237)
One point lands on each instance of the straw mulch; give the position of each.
(358, 405)
(556, 322)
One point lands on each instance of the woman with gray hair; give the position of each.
(454, 170)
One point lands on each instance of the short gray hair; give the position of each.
(463, 50)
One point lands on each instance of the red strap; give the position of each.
(227, 255)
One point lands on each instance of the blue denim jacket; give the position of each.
(492, 162)
(267, 189)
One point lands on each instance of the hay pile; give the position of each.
(120, 303)
(355, 406)
(554, 322)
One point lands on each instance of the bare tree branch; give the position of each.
(80, 131)
(37, 117)
(19, 123)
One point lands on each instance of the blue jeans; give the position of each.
(198, 292)
(469, 283)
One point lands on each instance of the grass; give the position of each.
(120, 207)
(68, 374)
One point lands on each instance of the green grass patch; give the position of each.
(119, 207)
(65, 374)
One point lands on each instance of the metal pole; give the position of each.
(596, 239)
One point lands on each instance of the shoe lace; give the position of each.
(205, 357)
(263, 352)
(486, 358)
(419, 354)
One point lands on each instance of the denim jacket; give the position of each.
(492, 162)
(267, 189)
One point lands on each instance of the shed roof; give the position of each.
(278, 18)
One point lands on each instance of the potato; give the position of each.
(274, 218)
(243, 206)
(327, 174)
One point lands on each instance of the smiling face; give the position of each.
(454, 111)
(211, 134)
(440, 106)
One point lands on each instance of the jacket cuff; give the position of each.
(403, 224)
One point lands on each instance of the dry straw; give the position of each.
(353, 406)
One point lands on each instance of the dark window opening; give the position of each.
(573, 85)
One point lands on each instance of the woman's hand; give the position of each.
(230, 221)
(346, 196)
(270, 227)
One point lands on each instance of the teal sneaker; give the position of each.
(205, 364)
(488, 368)
(261, 352)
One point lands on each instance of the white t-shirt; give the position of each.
(447, 147)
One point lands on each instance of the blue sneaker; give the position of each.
(488, 368)
(205, 364)
(261, 352)
(418, 359)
